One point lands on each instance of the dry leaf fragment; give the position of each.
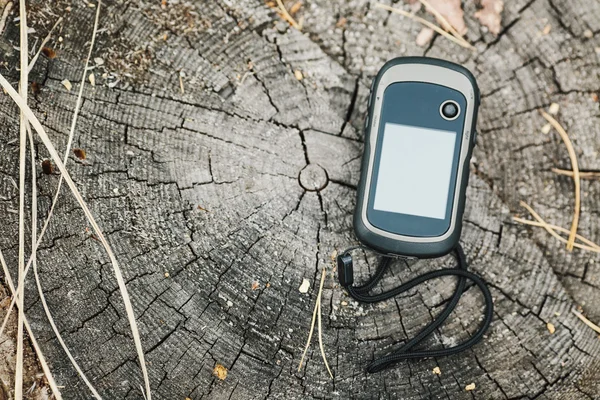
(47, 167)
(92, 79)
(220, 372)
(80, 153)
(424, 37)
(268, 284)
(48, 52)
(437, 371)
(67, 84)
(255, 285)
(452, 11)
(550, 327)
(304, 286)
(341, 22)
(553, 109)
(469, 387)
(595, 97)
(298, 74)
(490, 15)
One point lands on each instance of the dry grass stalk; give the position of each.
(576, 179)
(286, 15)
(317, 317)
(551, 229)
(458, 40)
(586, 321)
(34, 343)
(120, 281)
(32, 260)
(4, 17)
(582, 175)
(23, 83)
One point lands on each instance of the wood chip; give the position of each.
(437, 371)
(80, 153)
(546, 29)
(546, 129)
(595, 97)
(341, 22)
(255, 285)
(67, 84)
(553, 109)
(550, 327)
(304, 286)
(298, 74)
(220, 372)
(424, 37)
(470, 387)
(92, 79)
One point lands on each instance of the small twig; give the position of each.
(461, 42)
(5, 13)
(443, 21)
(567, 141)
(587, 321)
(286, 15)
(46, 40)
(582, 175)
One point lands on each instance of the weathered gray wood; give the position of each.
(207, 186)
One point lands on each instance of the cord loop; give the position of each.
(361, 293)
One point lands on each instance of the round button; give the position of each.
(450, 110)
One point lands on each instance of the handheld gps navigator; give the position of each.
(419, 136)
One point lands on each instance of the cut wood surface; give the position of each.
(222, 152)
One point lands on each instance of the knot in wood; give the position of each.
(313, 178)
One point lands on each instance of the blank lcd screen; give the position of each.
(414, 171)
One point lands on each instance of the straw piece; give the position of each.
(461, 42)
(567, 141)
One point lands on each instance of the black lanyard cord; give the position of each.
(360, 293)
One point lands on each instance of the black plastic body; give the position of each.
(409, 247)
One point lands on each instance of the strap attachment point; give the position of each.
(345, 269)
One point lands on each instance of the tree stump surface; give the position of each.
(209, 160)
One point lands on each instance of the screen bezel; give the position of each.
(426, 73)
